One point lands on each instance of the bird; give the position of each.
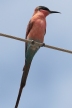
(36, 30)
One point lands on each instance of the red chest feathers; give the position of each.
(38, 30)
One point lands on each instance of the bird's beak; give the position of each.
(54, 12)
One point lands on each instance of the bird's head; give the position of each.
(44, 10)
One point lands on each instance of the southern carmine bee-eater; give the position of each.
(36, 30)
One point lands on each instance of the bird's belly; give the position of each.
(37, 35)
(38, 31)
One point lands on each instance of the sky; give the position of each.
(49, 83)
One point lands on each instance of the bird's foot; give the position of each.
(32, 42)
(43, 45)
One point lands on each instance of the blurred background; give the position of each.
(49, 83)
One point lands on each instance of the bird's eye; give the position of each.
(39, 9)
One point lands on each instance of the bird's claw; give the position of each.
(43, 45)
(32, 42)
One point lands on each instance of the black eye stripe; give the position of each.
(43, 7)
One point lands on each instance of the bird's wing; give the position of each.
(29, 27)
(45, 31)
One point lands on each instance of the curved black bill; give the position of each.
(54, 12)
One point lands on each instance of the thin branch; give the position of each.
(37, 43)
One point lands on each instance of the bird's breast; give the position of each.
(38, 30)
